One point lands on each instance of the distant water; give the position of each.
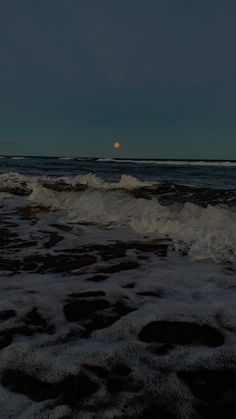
(204, 173)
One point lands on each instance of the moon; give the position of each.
(116, 145)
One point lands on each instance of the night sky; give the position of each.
(157, 75)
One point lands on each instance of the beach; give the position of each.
(117, 289)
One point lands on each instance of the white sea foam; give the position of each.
(91, 180)
(194, 292)
(206, 232)
(126, 182)
(18, 158)
(11, 180)
(67, 158)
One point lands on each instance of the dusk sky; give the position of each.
(157, 75)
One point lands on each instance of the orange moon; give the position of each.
(116, 145)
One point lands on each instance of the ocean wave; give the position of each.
(126, 182)
(10, 182)
(18, 158)
(202, 232)
(66, 158)
(75, 158)
(197, 228)
(172, 162)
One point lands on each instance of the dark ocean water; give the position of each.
(212, 174)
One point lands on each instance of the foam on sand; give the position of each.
(124, 357)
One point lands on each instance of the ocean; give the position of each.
(117, 288)
(200, 173)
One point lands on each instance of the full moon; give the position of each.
(116, 145)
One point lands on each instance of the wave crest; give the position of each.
(201, 232)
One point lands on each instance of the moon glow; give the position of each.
(116, 145)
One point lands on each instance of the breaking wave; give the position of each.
(203, 230)
(11, 182)
(198, 231)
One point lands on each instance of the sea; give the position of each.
(117, 288)
(192, 202)
(218, 174)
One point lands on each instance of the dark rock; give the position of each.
(181, 333)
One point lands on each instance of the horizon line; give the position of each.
(117, 158)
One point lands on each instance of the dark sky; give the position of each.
(159, 75)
